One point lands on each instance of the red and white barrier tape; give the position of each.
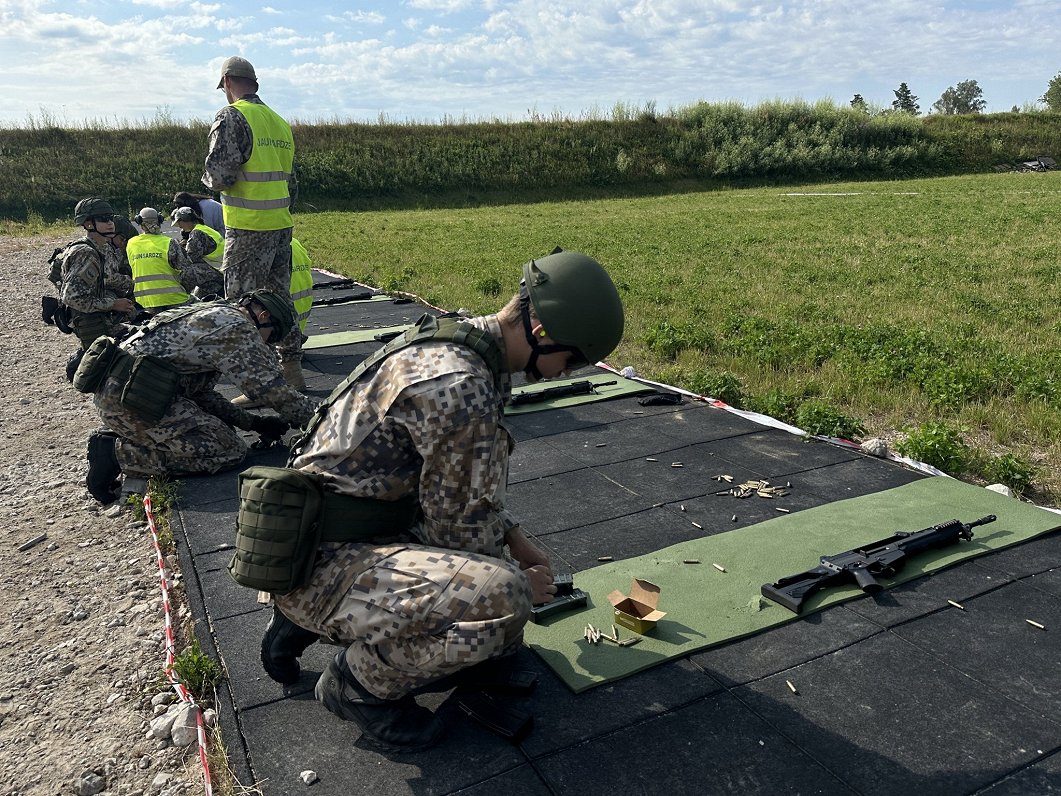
(182, 692)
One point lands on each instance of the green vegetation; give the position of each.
(880, 306)
(46, 168)
(197, 672)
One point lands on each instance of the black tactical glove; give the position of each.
(269, 429)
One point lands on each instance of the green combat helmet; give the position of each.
(125, 228)
(577, 304)
(280, 310)
(94, 206)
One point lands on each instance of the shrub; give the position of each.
(818, 417)
(937, 444)
(1011, 470)
(197, 672)
(716, 384)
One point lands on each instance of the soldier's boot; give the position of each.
(283, 643)
(394, 725)
(293, 374)
(244, 402)
(103, 468)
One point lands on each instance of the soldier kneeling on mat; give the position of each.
(155, 391)
(414, 564)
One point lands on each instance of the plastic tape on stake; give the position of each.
(182, 692)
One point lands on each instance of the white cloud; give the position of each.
(442, 6)
(270, 10)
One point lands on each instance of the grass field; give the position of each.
(863, 309)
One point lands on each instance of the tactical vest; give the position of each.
(259, 199)
(215, 257)
(301, 282)
(155, 282)
(285, 514)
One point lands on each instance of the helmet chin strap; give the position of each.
(531, 368)
(273, 326)
(537, 349)
(108, 236)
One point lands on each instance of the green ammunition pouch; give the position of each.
(96, 364)
(284, 514)
(90, 326)
(150, 389)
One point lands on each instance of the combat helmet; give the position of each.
(576, 303)
(93, 206)
(124, 228)
(281, 312)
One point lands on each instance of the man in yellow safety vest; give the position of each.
(250, 160)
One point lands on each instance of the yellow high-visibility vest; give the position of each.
(301, 282)
(155, 282)
(259, 199)
(217, 255)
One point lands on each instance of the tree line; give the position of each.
(965, 98)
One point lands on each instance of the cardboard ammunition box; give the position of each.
(637, 612)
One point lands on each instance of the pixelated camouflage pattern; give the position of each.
(204, 344)
(195, 276)
(197, 245)
(412, 614)
(426, 422)
(92, 277)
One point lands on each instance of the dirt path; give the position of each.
(81, 625)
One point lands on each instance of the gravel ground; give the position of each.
(81, 623)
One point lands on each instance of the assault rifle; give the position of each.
(867, 563)
(559, 391)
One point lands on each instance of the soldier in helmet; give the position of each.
(423, 424)
(159, 399)
(163, 276)
(90, 282)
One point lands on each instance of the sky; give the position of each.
(472, 60)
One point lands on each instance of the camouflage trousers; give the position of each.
(186, 441)
(412, 614)
(256, 260)
(204, 279)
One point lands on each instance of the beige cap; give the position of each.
(237, 67)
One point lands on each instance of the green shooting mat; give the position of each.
(605, 386)
(350, 336)
(706, 607)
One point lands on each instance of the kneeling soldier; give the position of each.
(156, 391)
(88, 277)
(425, 590)
(163, 276)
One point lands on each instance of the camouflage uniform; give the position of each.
(426, 423)
(194, 273)
(91, 279)
(253, 259)
(196, 434)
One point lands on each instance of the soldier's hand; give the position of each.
(123, 305)
(269, 429)
(541, 581)
(525, 551)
